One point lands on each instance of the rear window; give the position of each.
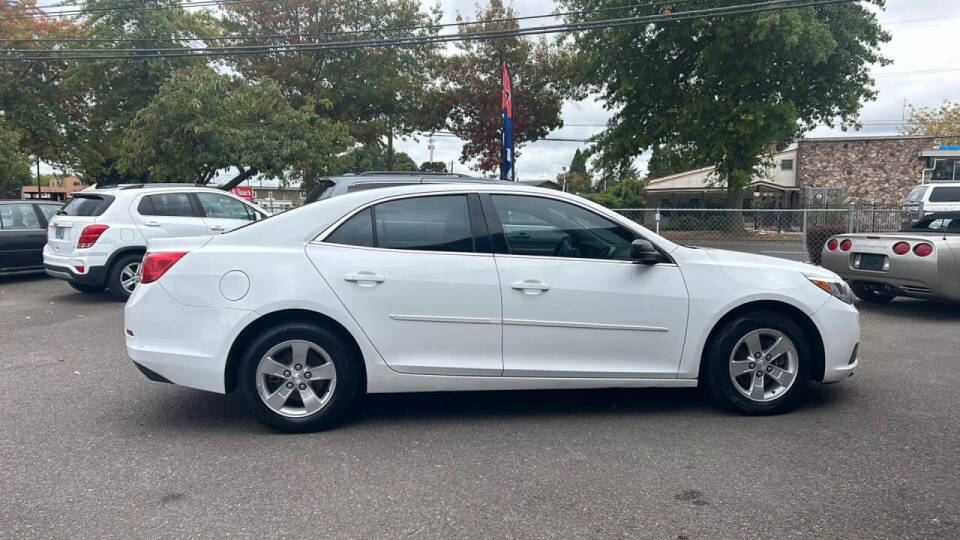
(86, 205)
(945, 194)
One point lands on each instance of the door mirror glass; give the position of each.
(643, 252)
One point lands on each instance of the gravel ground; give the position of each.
(90, 448)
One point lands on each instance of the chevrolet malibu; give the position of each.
(477, 287)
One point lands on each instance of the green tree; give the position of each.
(473, 81)
(579, 163)
(733, 88)
(433, 166)
(381, 93)
(667, 160)
(628, 193)
(373, 157)
(112, 92)
(34, 98)
(14, 163)
(942, 122)
(201, 122)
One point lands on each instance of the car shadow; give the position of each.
(24, 277)
(932, 310)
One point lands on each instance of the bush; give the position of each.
(817, 236)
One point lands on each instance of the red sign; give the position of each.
(243, 192)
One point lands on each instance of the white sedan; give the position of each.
(477, 287)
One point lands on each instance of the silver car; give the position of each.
(920, 261)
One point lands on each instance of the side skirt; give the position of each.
(400, 382)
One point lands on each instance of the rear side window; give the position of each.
(224, 207)
(86, 205)
(436, 223)
(49, 210)
(945, 194)
(166, 204)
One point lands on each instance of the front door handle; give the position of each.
(531, 286)
(364, 279)
(217, 228)
(152, 223)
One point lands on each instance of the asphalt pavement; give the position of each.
(91, 448)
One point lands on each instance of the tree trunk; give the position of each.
(735, 203)
(236, 180)
(389, 146)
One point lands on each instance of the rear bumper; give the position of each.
(839, 325)
(180, 344)
(909, 276)
(68, 268)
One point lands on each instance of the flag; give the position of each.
(507, 170)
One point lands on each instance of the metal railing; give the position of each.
(794, 233)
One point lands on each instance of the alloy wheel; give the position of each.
(296, 378)
(130, 276)
(763, 365)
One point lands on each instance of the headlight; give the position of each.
(836, 287)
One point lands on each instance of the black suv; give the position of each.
(23, 233)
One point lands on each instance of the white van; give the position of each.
(935, 197)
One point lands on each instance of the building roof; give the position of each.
(866, 138)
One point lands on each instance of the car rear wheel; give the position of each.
(759, 363)
(124, 275)
(874, 293)
(84, 288)
(299, 377)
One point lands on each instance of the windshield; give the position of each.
(949, 225)
(917, 194)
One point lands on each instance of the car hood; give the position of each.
(763, 261)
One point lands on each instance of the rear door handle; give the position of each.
(152, 223)
(217, 228)
(531, 286)
(364, 279)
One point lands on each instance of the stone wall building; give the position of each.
(867, 169)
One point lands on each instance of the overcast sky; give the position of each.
(924, 38)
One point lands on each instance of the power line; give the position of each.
(82, 10)
(741, 9)
(354, 32)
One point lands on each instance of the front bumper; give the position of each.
(181, 344)
(839, 325)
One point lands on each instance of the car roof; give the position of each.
(941, 215)
(134, 189)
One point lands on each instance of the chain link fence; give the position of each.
(790, 233)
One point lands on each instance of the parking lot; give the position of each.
(91, 448)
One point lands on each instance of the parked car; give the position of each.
(23, 232)
(934, 197)
(99, 237)
(433, 288)
(349, 183)
(921, 261)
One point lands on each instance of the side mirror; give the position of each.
(643, 252)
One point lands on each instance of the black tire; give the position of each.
(873, 293)
(345, 393)
(715, 371)
(114, 280)
(84, 288)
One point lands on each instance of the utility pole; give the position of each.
(38, 177)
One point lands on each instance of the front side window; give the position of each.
(18, 217)
(547, 227)
(224, 207)
(435, 223)
(166, 204)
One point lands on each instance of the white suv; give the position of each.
(99, 237)
(934, 197)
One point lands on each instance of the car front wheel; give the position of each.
(299, 377)
(759, 363)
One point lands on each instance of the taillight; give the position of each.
(90, 235)
(846, 245)
(156, 265)
(901, 248)
(922, 250)
(832, 244)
